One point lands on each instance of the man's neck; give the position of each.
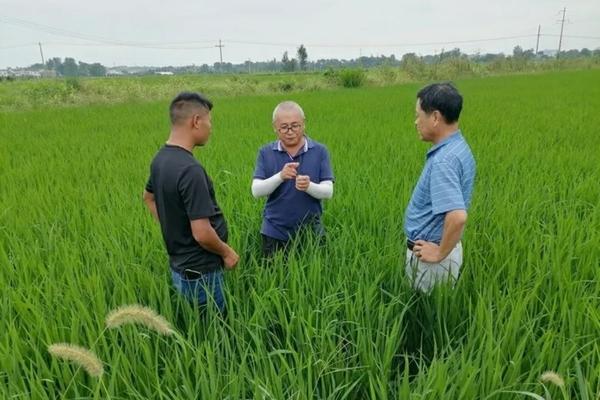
(180, 140)
(445, 132)
(294, 150)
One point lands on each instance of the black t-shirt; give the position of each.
(184, 192)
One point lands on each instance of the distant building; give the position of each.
(23, 73)
(48, 73)
(549, 53)
(167, 73)
(114, 72)
(27, 73)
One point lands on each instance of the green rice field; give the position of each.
(339, 322)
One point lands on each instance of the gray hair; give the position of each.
(288, 106)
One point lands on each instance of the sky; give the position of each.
(161, 33)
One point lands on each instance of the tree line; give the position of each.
(70, 67)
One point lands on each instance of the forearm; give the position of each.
(323, 190)
(454, 224)
(151, 204)
(210, 241)
(264, 187)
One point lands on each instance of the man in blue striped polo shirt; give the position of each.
(437, 211)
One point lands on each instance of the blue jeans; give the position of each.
(207, 288)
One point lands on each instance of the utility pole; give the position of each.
(562, 25)
(220, 46)
(537, 44)
(42, 53)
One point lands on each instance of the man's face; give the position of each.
(289, 126)
(425, 123)
(202, 126)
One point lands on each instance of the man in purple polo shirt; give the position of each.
(295, 173)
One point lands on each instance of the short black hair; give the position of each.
(185, 103)
(443, 97)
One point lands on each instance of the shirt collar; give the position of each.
(308, 144)
(453, 137)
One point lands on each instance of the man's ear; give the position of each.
(437, 117)
(195, 120)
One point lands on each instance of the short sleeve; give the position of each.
(149, 186)
(326, 173)
(445, 189)
(259, 169)
(194, 191)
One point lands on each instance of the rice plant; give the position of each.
(338, 322)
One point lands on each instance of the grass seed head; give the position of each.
(136, 314)
(81, 356)
(552, 377)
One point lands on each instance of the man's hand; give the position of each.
(289, 171)
(302, 182)
(428, 252)
(230, 258)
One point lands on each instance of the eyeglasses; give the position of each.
(286, 128)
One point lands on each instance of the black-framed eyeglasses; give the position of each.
(286, 128)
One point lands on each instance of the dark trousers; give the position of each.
(300, 240)
(271, 245)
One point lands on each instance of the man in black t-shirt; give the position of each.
(181, 197)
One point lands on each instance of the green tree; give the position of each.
(83, 69)
(413, 65)
(289, 65)
(517, 52)
(302, 57)
(55, 64)
(70, 67)
(97, 69)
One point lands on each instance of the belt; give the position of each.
(190, 274)
(410, 244)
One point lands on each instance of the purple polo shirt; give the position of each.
(288, 208)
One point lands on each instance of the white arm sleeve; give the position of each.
(323, 190)
(264, 187)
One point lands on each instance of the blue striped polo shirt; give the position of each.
(445, 184)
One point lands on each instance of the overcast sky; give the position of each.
(159, 33)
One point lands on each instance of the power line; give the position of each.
(93, 38)
(194, 45)
(70, 44)
(360, 46)
(371, 45)
(16, 46)
(574, 36)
